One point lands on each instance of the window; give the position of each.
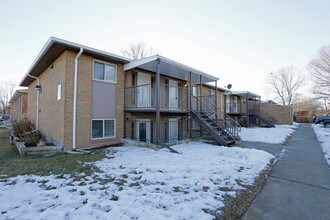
(103, 128)
(105, 72)
(211, 94)
(59, 91)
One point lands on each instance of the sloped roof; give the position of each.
(244, 94)
(17, 93)
(54, 48)
(170, 68)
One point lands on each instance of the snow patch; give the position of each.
(323, 136)
(276, 135)
(138, 183)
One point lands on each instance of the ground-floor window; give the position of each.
(103, 128)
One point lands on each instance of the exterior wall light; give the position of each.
(38, 88)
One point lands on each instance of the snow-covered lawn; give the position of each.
(138, 183)
(323, 136)
(275, 135)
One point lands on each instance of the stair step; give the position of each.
(206, 119)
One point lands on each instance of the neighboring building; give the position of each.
(282, 114)
(244, 107)
(82, 97)
(19, 103)
(303, 117)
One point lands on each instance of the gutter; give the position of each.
(38, 87)
(74, 116)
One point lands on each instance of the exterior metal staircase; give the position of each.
(219, 125)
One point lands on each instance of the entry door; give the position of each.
(144, 90)
(235, 105)
(211, 99)
(227, 103)
(173, 128)
(143, 131)
(193, 100)
(173, 94)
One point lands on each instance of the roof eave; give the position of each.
(136, 63)
(71, 45)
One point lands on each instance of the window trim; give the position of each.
(104, 119)
(105, 63)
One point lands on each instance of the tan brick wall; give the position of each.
(51, 114)
(55, 116)
(84, 103)
(14, 113)
(24, 98)
(32, 101)
(282, 114)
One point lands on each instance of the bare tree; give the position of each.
(284, 84)
(320, 72)
(6, 92)
(137, 51)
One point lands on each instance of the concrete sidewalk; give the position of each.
(299, 184)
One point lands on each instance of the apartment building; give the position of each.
(19, 103)
(82, 97)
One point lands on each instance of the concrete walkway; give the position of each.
(299, 183)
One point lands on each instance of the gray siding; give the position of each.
(103, 100)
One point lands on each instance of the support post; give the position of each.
(200, 99)
(158, 103)
(125, 128)
(200, 92)
(247, 111)
(216, 100)
(190, 105)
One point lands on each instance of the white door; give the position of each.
(144, 90)
(173, 128)
(211, 99)
(235, 105)
(142, 131)
(193, 99)
(173, 94)
(227, 103)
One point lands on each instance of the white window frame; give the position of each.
(59, 91)
(104, 119)
(105, 63)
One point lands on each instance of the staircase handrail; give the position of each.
(232, 123)
(228, 127)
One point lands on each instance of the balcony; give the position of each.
(238, 108)
(142, 98)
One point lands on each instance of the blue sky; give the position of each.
(238, 41)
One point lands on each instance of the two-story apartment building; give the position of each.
(244, 107)
(19, 103)
(82, 97)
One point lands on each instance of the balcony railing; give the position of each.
(144, 97)
(237, 108)
(233, 108)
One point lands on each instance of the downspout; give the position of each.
(38, 91)
(74, 116)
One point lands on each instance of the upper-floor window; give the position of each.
(105, 72)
